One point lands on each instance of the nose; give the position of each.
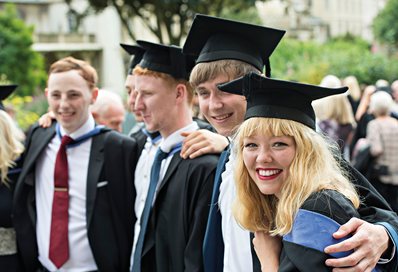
(138, 104)
(63, 103)
(264, 155)
(215, 102)
(131, 100)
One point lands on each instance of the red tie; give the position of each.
(59, 246)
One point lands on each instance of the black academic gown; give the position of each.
(110, 217)
(9, 262)
(318, 218)
(173, 242)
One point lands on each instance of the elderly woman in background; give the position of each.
(382, 135)
(11, 148)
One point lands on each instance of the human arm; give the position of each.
(268, 249)
(369, 241)
(200, 142)
(374, 210)
(320, 215)
(364, 103)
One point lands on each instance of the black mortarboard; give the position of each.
(277, 98)
(5, 91)
(166, 59)
(136, 53)
(211, 38)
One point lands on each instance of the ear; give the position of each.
(46, 92)
(181, 92)
(94, 94)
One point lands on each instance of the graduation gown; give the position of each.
(9, 262)
(109, 208)
(318, 218)
(174, 237)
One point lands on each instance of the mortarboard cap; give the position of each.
(166, 59)
(211, 38)
(5, 91)
(277, 98)
(136, 53)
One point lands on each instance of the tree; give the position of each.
(19, 64)
(168, 20)
(385, 25)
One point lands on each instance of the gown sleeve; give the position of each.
(315, 222)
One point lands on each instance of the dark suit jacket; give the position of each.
(110, 217)
(176, 228)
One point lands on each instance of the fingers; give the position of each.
(192, 143)
(368, 242)
(44, 121)
(351, 226)
(356, 259)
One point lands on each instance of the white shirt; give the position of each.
(142, 178)
(237, 251)
(80, 254)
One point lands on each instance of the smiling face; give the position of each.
(224, 111)
(267, 159)
(69, 97)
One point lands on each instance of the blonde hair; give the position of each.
(206, 71)
(353, 87)
(336, 107)
(170, 80)
(85, 70)
(11, 146)
(314, 168)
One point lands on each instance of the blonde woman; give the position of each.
(354, 91)
(335, 115)
(291, 189)
(11, 148)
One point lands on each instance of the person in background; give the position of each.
(382, 135)
(173, 194)
(136, 52)
(394, 93)
(108, 110)
(334, 115)
(11, 147)
(282, 195)
(354, 92)
(224, 51)
(74, 198)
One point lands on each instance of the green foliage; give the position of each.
(249, 15)
(19, 64)
(385, 25)
(310, 62)
(169, 20)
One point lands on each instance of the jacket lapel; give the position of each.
(38, 142)
(175, 161)
(96, 162)
(149, 240)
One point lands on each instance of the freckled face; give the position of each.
(267, 159)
